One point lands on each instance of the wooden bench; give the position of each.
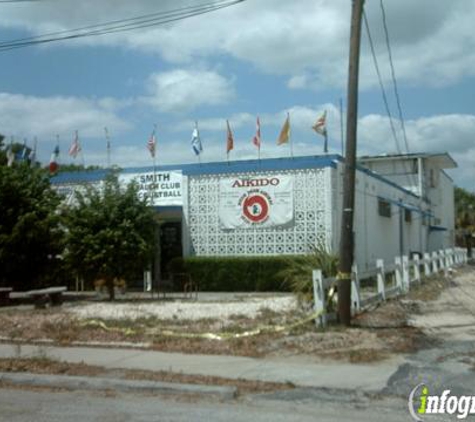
(49, 296)
(5, 295)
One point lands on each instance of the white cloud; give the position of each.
(44, 117)
(432, 42)
(453, 133)
(184, 90)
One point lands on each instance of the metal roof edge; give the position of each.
(220, 167)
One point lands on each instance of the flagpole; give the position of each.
(341, 127)
(83, 161)
(33, 153)
(108, 147)
(325, 142)
(57, 144)
(154, 151)
(291, 144)
(199, 155)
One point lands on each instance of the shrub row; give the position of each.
(240, 274)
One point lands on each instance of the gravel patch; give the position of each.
(251, 308)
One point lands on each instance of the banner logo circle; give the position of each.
(255, 208)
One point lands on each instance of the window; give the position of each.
(384, 208)
(407, 215)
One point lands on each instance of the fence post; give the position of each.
(405, 273)
(417, 268)
(441, 259)
(318, 298)
(456, 256)
(355, 289)
(398, 272)
(427, 265)
(435, 258)
(451, 257)
(381, 278)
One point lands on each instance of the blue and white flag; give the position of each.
(196, 141)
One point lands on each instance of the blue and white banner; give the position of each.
(160, 188)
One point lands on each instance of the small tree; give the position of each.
(30, 235)
(110, 233)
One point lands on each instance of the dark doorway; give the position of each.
(170, 245)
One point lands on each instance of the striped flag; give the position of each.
(229, 138)
(256, 140)
(32, 155)
(196, 141)
(320, 126)
(152, 144)
(53, 162)
(75, 147)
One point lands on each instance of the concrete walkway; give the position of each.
(370, 378)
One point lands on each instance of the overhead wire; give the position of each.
(393, 76)
(411, 176)
(122, 25)
(381, 84)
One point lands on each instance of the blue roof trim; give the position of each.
(402, 204)
(269, 164)
(387, 181)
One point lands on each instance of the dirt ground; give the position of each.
(47, 366)
(376, 334)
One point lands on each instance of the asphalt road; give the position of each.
(47, 406)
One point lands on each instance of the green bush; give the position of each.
(240, 274)
(298, 273)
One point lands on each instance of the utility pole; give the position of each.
(346, 235)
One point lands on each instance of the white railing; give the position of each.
(388, 280)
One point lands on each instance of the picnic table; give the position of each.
(5, 295)
(48, 296)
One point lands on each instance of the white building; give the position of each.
(404, 204)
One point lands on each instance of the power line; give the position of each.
(411, 177)
(393, 76)
(122, 25)
(380, 79)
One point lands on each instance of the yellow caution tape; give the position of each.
(210, 336)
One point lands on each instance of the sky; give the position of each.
(261, 58)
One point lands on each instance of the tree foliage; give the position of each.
(464, 217)
(30, 234)
(110, 233)
(298, 273)
(464, 208)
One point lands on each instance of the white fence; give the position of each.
(384, 281)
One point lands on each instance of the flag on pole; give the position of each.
(256, 140)
(75, 147)
(24, 152)
(32, 155)
(53, 162)
(10, 155)
(152, 143)
(284, 135)
(108, 140)
(320, 125)
(196, 141)
(229, 138)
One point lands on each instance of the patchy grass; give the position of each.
(375, 334)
